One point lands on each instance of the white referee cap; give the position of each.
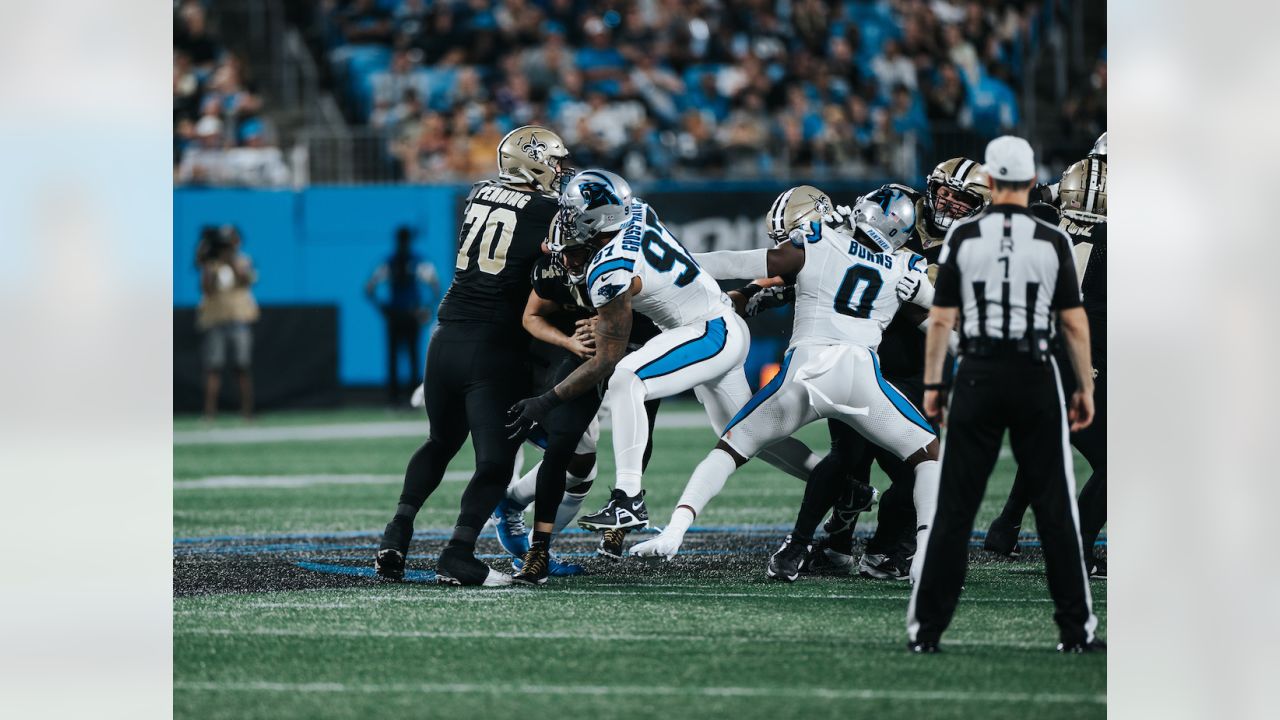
(1010, 159)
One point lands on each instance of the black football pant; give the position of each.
(474, 373)
(1092, 444)
(563, 428)
(990, 396)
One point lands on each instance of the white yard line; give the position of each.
(680, 420)
(507, 689)
(224, 482)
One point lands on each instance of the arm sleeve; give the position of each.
(735, 264)
(1066, 291)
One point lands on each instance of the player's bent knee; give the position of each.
(582, 464)
(625, 383)
(738, 458)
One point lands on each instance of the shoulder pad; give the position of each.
(609, 273)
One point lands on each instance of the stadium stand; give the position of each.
(660, 89)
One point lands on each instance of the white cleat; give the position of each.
(664, 546)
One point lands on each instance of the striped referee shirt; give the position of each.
(1008, 272)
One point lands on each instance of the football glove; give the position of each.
(761, 299)
(529, 412)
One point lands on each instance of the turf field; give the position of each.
(275, 615)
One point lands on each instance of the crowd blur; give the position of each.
(219, 135)
(671, 88)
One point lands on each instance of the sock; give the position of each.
(464, 537)
(576, 492)
(406, 512)
(791, 457)
(519, 463)
(522, 491)
(630, 429)
(681, 519)
(707, 482)
(926, 497)
(541, 539)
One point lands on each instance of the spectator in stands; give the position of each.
(226, 314)
(892, 68)
(404, 310)
(946, 95)
(191, 36)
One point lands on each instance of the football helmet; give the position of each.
(533, 155)
(594, 202)
(885, 217)
(569, 251)
(1082, 193)
(796, 208)
(1100, 147)
(956, 189)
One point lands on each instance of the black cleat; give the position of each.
(623, 511)
(459, 566)
(611, 543)
(845, 516)
(1077, 648)
(1098, 568)
(923, 647)
(535, 567)
(785, 563)
(394, 548)
(832, 555)
(882, 567)
(1002, 538)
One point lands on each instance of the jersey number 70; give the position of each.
(498, 226)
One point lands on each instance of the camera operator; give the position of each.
(226, 312)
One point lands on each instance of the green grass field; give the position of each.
(258, 635)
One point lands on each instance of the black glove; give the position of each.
(529, 412)
(760, 299)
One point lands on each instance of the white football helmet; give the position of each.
(885, 217)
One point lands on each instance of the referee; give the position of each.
(1004, 275)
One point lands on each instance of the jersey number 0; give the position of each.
(858, 278)
(495, 226)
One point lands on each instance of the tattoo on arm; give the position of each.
(613, 328)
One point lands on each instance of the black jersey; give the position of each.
(501, 238)
(551, 282)
(1093, 287)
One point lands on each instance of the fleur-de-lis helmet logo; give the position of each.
(822, 204)
(535, 149)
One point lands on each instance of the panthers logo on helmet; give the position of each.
(598, 194)
(535, 148)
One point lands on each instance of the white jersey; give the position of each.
(846, 293)
(674, 292)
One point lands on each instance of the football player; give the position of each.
(559, 317)
(637, 263)
(956, 189)
(475, 363)
(846, 292)
(1082, 207)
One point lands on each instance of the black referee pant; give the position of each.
(989, 396)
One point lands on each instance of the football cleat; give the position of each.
(1077, 648)
(513, 536)
(845, 516)
(622, 511)
(828, 558)
(459, 566)
(1002, 538)
(923, 647)
(535, 567)
(664, 546)
(1097, 568)
(555, 568)
(611, 543)
(881, 567)
(785, 563)
(393, 549)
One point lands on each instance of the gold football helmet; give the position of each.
(1082, 193)
(956, 189)
(533, 155)
(795, 208)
